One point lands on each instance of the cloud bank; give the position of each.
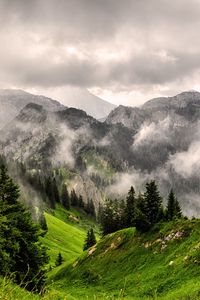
(136, 47)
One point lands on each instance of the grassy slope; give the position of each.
(66, 233)
(157, 265)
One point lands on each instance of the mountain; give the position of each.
(68, 139)
(159, 140)
(82, 99)
(182, 106)
(13, 100)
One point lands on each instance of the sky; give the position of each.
(125, 52)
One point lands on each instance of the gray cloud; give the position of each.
(110, 44)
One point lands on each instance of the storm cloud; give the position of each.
(146, 47)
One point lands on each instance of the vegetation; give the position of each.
(90, 239)
(59, 260)
(142, 211)
(147, 252)
(162, 263)
(21, 253)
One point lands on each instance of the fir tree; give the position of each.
(22, 255)
(141, 220)
(108, 217)
(73, 198)
(178, 209)
(130, 208)
(173, 207)
(80, 202)
(170, 213)
(90, 239)
(59, 260)
(49, 192)
(55, 191)
(65, 197)
(153, 202)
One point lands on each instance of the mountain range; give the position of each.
(159, 140)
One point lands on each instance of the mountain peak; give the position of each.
(32, 112)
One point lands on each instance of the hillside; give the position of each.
(159, 140)
(13, 100)
(162, 264)
(66, 234)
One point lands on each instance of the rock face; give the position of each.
(12, 101)
(183, 107)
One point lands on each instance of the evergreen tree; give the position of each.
(178, 209)
(21, 253)
(109, 217)
(50, 192)
(173, 207)
(90, 209)
(170, 213)
(65, 197)
(90, 239)
(55, 191)
(59, 260)
(130, 208)
(80, 202)
(74, 198)
(141, 220)
(153, 202)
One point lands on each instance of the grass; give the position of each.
(124, 265)
(163, 264)
(66, 233)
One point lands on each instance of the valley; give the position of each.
(75, 173)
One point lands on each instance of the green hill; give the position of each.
(66, 233)
(162, 264)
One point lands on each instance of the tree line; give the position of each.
(141, 211)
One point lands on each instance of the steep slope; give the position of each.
(166, 144)
(161, 140)
(68, 139)
(12, 101)
(162, 264)
(64, 238)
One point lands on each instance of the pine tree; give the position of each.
(73, 198)
(141, 220)
(50, 192)
(153, 202)
(130, 208)
(90, 239)
(178, 209)
(55, 190)
(59, 260)
(109, 217)
(170, 213)
(173, 207)
(65, 197)
(80, 202)
(21, 253)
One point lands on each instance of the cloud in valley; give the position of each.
(187, 163)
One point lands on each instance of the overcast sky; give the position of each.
(125, 51)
